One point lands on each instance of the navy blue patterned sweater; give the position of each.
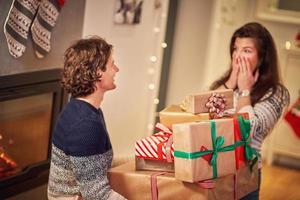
(81, 154)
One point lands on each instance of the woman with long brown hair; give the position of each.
(255, 78)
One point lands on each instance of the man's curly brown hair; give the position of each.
(82, 60)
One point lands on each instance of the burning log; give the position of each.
(7, 165)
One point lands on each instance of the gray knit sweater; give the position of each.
(81, 154)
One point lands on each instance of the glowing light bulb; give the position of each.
(153, 58)
(156, 101)
(156, 30)
(151, 86)
(164, 45)
(288, 45)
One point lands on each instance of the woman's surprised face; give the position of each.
(245, 49)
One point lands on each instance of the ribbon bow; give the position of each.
(250, 153)
(216, 105)
(217, 143)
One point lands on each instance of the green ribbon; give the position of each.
(250, 153)
(217, 143)
(245, 136)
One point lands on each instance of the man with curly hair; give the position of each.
(81, 148)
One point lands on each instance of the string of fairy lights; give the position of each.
(155, 61)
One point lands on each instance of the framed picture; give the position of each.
(128, 11)
(287, 11)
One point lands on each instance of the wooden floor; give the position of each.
(280, 183)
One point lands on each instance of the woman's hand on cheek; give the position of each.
(246, 80)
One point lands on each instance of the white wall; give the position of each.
(187, 66)
(129, 109)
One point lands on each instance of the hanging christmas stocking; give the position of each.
(17, 25)
(43, 24)
(293, 117)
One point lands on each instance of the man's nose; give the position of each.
(117, 68)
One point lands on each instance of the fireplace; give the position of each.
(29, 106)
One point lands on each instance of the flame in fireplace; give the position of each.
(7, 165)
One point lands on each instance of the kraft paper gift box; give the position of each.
(204, 150)
(195, 103)
(136, 185)
(155, 152)
(244, 153)
(246, 180)
(174, 114)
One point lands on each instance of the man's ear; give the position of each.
(99, 74)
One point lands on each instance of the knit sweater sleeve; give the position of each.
(91, 156)
(265, 114)
(91, 176)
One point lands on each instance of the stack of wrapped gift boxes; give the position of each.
(197, 153)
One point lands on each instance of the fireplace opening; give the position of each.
(29, 106)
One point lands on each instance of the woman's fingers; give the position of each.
(243, 65)
(240, 65)
(248, 66)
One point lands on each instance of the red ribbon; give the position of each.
(166, 131)
(206, 157)
(154, 190)
(235, 187)
(239, 151)
(208, 184)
